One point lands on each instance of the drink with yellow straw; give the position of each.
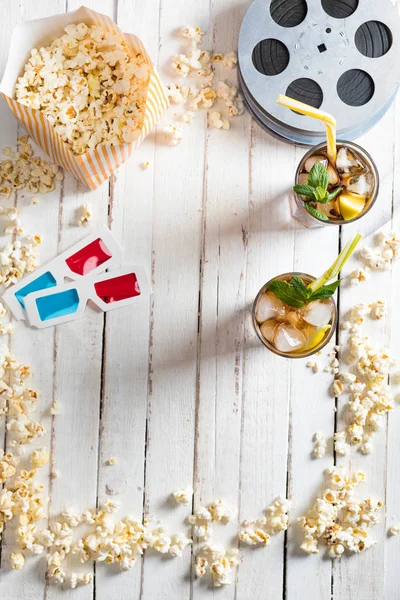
(336, 182)
(294, 314)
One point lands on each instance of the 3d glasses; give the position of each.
(68, 302)
(47, 300)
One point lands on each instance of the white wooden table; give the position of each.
(178, 390)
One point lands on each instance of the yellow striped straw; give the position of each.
(315, 113)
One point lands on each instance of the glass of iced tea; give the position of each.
(290, 331)
(338, 193)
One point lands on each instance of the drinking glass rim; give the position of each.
(267, 344)
(363, 152)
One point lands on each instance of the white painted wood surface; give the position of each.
(178, 390)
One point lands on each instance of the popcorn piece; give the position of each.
(359, 276)
(217, 121)
(80, 579)
(341, 446)
(145, 165)
(378, 309)
(84, 215)
(184, 496)
(395, 529)
(195, 34)
(39, 458)
(338, 518)
(228, 60)
(204, 516)
(17, 560)
(319, 445)
(111, 462)
(337, 388)
(218, 563)
(258, 532)
(55, 408)
(174, 134)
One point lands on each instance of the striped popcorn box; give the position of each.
(95, 166)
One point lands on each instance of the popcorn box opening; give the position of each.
(95, 166)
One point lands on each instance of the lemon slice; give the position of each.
(351, 205)
(316, 337)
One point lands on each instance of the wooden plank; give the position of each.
(177, 204)
(28, 346)
(311, 411)
(78, 369)
(126, 352)
(222, 302)
(392, 583)
(363, 576)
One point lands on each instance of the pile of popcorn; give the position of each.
(386, 249)
(370, 397)
(89, 85)
(202, 91)
(18, 258)
(339, 519)
(258, 532)
(23, 170)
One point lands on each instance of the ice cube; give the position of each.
(361, 185)
(310, 162)
(348, 162)
(318, 313)
(269, 307)
(333, 176)
(288, 338)
(268, 329)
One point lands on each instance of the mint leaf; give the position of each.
(324, 292)
(315, 213)
(319, 176)
(304, 190)
(286, 293)
(300, 288)
(320, 194)
(333, 195)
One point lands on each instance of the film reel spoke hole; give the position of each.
(339, 9)
(322, 48)
(270, 57)
(355, 87)
(288, 13)
(373, 39)
(306, 90)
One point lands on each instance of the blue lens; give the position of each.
(41, 283)
(57, 305)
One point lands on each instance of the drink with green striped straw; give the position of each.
(294, 314)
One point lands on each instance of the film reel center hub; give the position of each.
(340, 56)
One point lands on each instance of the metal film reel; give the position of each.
(340, 56)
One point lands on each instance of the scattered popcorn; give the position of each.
(313, 365)
(395, 529)
(89, 86)
(17, 259)
(195, 34)
(145, 165)
(80, 579)
(204, 516)
(188, 116)
(184, 496)
(24, 170)
(341, 445)
(257, 532)
(55, 408)
(17, 560)
(339, 519)
(217, 121)
(378, 309)
(319, 445)
(111, 462)
(218, 563)
(387, 250)
(84, 215)
(227, 60)
(337, 388)
(359, 275)
(39, 458)
(174, 134)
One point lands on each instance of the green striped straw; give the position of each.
(337, 266)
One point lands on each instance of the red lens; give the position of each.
(118, 288)
(88, 258)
